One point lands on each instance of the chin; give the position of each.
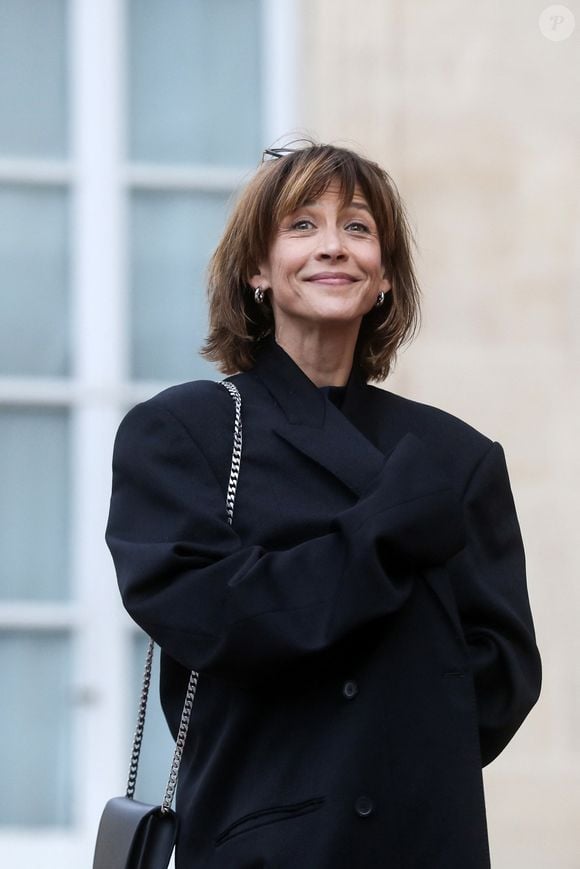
(339, 316)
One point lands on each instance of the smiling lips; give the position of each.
(332, 278)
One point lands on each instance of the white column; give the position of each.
(98, 242)
(279, 69)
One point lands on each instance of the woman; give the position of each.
(362, 630)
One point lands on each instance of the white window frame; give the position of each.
(98, 391)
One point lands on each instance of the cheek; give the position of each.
(285, 268)
(369, 258)
(376, 263)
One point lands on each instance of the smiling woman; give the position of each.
(362, 627)
(313, 211)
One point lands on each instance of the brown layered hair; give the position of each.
(282, 184)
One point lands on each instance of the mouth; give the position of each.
(331, 278)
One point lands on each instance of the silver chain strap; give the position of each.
(138, 738)
(193, 676)
(237, 450)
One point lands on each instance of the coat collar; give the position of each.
(313, 425)
(300, 399)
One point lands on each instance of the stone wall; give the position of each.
(476, 115)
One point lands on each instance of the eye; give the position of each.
(357, 226)
(302, 224)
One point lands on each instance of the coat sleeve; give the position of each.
(489, 580)
(218, 606)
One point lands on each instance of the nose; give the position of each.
(331, 245)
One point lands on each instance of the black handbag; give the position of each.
(136, 835)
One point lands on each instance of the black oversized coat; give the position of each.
(362, 630)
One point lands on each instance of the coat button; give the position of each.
(364, 806)
(350, 689)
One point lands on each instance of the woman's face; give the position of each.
(324, 264)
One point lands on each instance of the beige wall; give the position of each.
(477, 117)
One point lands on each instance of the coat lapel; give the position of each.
(313, 425)
(339, 447)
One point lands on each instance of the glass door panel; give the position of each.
(35, 729)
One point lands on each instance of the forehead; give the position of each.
(337, 191)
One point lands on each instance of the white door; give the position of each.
(124, 129)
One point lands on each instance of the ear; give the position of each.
(386, 285)
(261, 278)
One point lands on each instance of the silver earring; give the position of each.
(259, 295)
(380, 299)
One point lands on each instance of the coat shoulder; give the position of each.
(201, 409)
(183, 395)
(198, 405)
(199, 413)
(455, 443)
(428, 416)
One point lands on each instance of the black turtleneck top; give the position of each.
(334, 393)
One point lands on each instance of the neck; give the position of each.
(325, 356)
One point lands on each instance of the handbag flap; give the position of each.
(134, 835)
